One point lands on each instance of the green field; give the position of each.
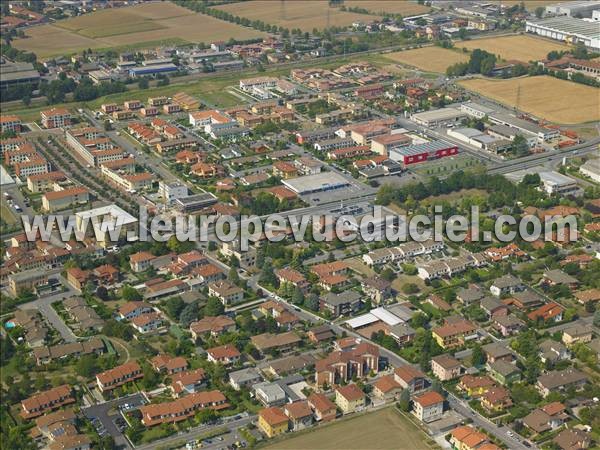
(383, 429)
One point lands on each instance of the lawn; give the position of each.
(138, 26)
(434, 59)
(523, 48)
(305, 15)
(7, 214)
(543, 96)
(383, 429)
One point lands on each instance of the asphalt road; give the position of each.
(44, 306)
(196, 432)
(512, 442)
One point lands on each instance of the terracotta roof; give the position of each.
(429, 398)
(386, 384)
(321, 402)
(273, 415)
(408, 373)
(298, 410)
(351, 392)
(223, 351)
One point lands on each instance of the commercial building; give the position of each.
(12, 74)
(574, 9)
(383, 145)
(321, 182)
(413, 154)
(107, 223)
(554, 183)
(566, 29)
(152, 70)
(591, 169)
(438, 117)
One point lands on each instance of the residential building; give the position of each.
(546, 418)
(577, 333)
(224, 354)
(118, 376)
(56, 118)
(453, 334)
(342, 366)
(475, 386)
(504, 372)
(46, 401)
(244, 378)
(66, 198)
(507, 284)
(339, 304)
(445, 367)
(182, 408)
(131, 310)
(300, 415)
(323, 408)
(387, 388)
(573, 439)
(272, 421)
(228, 293)
(496, 399)
(561, 380)
(410, 378)
(188, 382)
(268, 342)
(213, 325)
(350, 398)
(168, 364)
(428, 407)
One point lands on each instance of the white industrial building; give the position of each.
(324, 181)
(582, 8)
(437, 117)
(567, 29)
(591, 169)
(557, 183)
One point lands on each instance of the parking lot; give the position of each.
(107, 419)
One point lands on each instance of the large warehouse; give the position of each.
(438, 117)
(567, 29)
(422, 152)
(324, 181)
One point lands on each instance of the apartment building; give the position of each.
(182, 408)
(56, 118)
(46, 401)
(42, 182)
(10, 123)
(118, 376)
(66, 198)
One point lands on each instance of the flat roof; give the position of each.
(361, 321)
(319, 182)
(122, 217)
(418, 149)
(438, 114)
(203, 197)
(568, 24)
(555, 178)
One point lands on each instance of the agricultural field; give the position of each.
(383, 429)
(530, 5)
(433, 59)
(294, 14)
(139, 26)
(404, 8)
(523, 48)
(538, 96)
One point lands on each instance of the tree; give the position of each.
(410, 288)
(267, 275)
(312, 302)
(213, 307)
(233, 276)
(404, 402)
(143, 83)
(107, 125)
(477, 356)
(189, 314)
(102, 293)
(130, 294)
(298, 296)
(597, 318)
(87, 366)
(520, 147)
(388, 274)
(436, 386)
(539, 11)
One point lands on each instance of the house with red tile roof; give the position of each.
(224, 354)
(188, 382)
(428, 407)
(324, 409)
(46, 401)
(182, 408)
(118, 376)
